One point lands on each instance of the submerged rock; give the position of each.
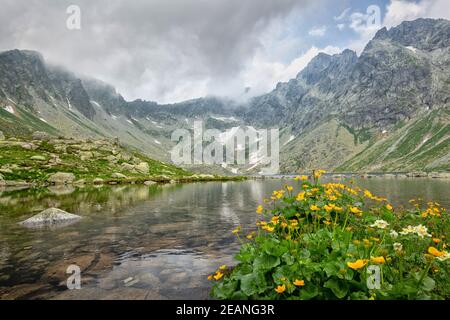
(51, 216)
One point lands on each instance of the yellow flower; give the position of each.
(332, 198)
(223, 267)
(289, 188)
(355, 210)
(313, 207)
(237, 230)
(280, 289)
(327, 222)
(435, 252)
(337, 209)
(275, 219)
(293, 223)
(218, 275)
(301, 196)
(269, 228)
(259, 209)
(250, 237)
(436, 240)
(299, 283)
(389, 207)
(283, 224)
(378, 260)
(328, 208)
(358, 264)
(368, 194)
(210, 277)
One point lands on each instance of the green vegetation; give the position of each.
(35, 162)
(332, 241)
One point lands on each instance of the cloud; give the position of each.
(401, 10)
(343, 14)
(317, 31)
(260, 70)
(155, 49)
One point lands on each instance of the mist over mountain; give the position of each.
(386, 110)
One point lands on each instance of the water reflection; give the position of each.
(140, 242)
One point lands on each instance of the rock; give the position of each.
(98, 181)
(86, 155)
(142, 167)
(118, 175)
(111, 158)
(61, 178)
(38, 158)
(416, 174)
(1, 177)
(439, 175)
(2, 136)
(39, 135)
(29, 146)
(149, 183)
(127, 167)
(80, 182)
(50, 216)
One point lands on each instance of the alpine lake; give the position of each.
(147, 242)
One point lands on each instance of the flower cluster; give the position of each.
(317, 241)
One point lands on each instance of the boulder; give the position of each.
(42, 136)
(61, 178)
(98, 181)
(127, 167)
(2, 136)
(38, 158)
(29, 146)
(437, 175)
(51, 216)
(86, 155)
(118, 175)
(416, 174)
(142, 167)
(149, 183)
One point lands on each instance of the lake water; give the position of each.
(139, 242)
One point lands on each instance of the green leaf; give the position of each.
(339, 288)
(266, 262)
(428, 284)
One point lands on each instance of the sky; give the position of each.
(174, 50)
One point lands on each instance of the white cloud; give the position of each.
(401, 10)
(318, 31)
(343, 15)
(263, 75)
(340, 26)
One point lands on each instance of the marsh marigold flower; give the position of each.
(280, 289)
(218, 275)
(358, 264)
(378, 260)
(300, 196)
(435, 252)
(355, 210)
(313, 207)
(299, 283)
(259, 209)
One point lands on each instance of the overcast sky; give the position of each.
(173, 50)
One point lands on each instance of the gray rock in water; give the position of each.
(61, 178)
(49, 217)
(149, 183)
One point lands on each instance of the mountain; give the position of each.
(385, 110)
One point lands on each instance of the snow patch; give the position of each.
(10, 109)
(114, 117)
(157, 142)
(43, 120)
(129, 121)
(225, 119)
(12, 100)
(292, 137)
(412, 49)
(68, 102)
(95, 103)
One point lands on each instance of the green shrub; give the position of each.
(325, 241)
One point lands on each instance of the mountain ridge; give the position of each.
(401, 76)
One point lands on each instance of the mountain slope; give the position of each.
(341, 112)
